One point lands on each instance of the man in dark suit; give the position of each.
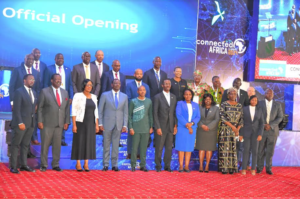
(273, 115)
(109, 76)
(165, 123)
(290, 19)
(292, 37)
(23, 121)
(85, 70)
(131, 91)
(102, 67)
(298, 36)
(53, 117)
(155, 77)
(16, 81)
(66, 81)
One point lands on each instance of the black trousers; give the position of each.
(266, 149)
(165, 140)
(250, 144)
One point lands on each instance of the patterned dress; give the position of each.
(199, 90)
(217, 99)
(227, 143)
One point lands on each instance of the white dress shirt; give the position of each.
(89, 68)
(269, 108)
(157, 72)
(26, 69)
(32, 97)
(137, 83)
(62, 74)
(114, 93)
(114, 74)
(252, 112)
(190, 110)
(34, 65)
(100, 67)
(54, 90)
(167, 96)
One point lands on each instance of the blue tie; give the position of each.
(116, 100)
(157, 78)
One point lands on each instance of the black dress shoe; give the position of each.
(224, 172)
(258, 171)
(169, 170)
(16, 171)
(115, 169)
(158, 169)
(187, 170)
(57, 169)
(105, 168)
(64, 144)
(43, 169)
(231, 172)
(201, 171)
(269, 172)
(133, 169)
(30, 155)
(26, 168)
(144, 169)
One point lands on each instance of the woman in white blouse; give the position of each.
(251, 132)
(85, 125)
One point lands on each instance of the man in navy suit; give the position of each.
(102, 67)
(23, 122)
(66, 81)
(109, 76)
(155, 77)
(292, 37)
(131, 91)
(16, 81)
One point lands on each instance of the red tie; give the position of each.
(116, 76)
(57, 98)
(36, 66)
(28, 71)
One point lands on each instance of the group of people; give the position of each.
(180, 114)
(293, 31)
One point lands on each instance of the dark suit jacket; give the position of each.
(297, 15)
(49, 113)
(24, 109)
(42, 68)
(163, 114)
(276, 115)
(108, 77)
(150, 79)
(50, 70)
(105, 66)
(244, 99)
(16, 81)
(78, 75)
(292, 33)
(290, 19)
(256, 126)
(131, 90)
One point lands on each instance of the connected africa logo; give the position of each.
(215, 18)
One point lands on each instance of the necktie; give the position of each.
(28, 69)
(100, 70)
(36, 66)
(59, 68)
(157, 78)
(30, 95)
(237, 97)
(268, 112)
(116, 100)
(57, 98)
(139, 84)
(116, 76)
(87, 74)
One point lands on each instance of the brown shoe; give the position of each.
(243, 172)
(248, 168)
(253, 172)
(35, 142)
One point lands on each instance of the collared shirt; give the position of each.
(27, 89)
(89, 68)
(252, 112)
(100, 67)
(137, 83)
(269, 108)
(167, 96)
(157, 72)
(62, 74)
(54, 90)
(114, 74)
(26, 69)
(190, 111)
(38, 65)
(114, 93)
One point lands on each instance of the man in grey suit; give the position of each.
(53, 117)
(273, 115)
(85, 70)
(23, 122)
(113, 118)
(165, 123)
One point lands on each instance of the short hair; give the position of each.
(268, 90)
(55, 74)
(115, 80)
(188, 89)
(115, 61)
(58, 55)
(237, 79)
(27, 75)
(141, 87)
(177, 67)
(253, 96)
(84, 83)
(26, 56)
(97, 51)
(156, 57)
(206, 95)
(231, 89)
(34, 50)
(165, 80)
(214, 78)
(137, 70)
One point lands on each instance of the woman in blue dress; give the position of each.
(188, 116)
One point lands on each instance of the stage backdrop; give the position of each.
(129, 31)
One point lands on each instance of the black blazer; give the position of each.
(244, 99)
(163, 114)
(42, 68)
(107, 79)
(256, 126)
(24, 109)
(105, 66)
(16, 80)
(150, 79)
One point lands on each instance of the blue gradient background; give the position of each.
(159, 22)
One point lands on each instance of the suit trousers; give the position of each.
(51, 135)
(165, 140)
(129, 144)
(111, 137)
(139, 139)
(22, 139)
(63, 136)
(266, 149)
(250, 144)
(35, 135)
(239, 150)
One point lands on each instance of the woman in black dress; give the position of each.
(85, 125)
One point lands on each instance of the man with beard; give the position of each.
(131, 91)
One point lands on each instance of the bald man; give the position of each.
(251, 91)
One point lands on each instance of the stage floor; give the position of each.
(285, 183)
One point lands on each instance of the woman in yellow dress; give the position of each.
(199, 88)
